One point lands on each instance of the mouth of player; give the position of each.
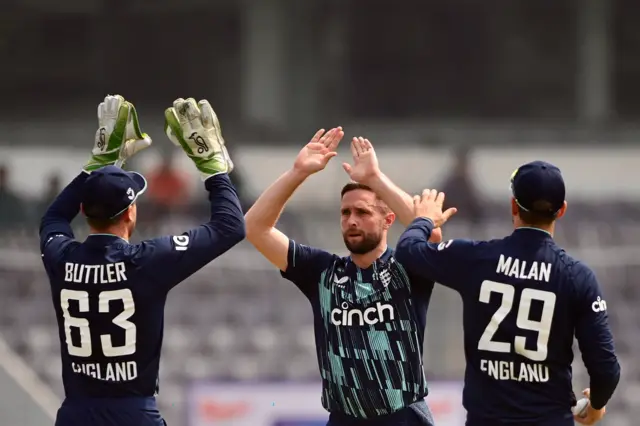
(354, 234)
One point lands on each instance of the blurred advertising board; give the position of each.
(292, 404)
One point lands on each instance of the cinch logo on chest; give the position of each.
(370, 316)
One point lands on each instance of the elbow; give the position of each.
(230, 229)
(237, 231)
(253, 227)
(605, 375)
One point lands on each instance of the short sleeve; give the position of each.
(305, 265)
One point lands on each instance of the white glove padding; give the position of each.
(119, 136)
(195, 128)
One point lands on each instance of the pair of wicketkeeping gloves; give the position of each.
(192, 126)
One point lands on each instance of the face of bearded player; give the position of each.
(364, 221)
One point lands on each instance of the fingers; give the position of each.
(354, 148)
(347, 168)
(122, 119)
(113, 103)
(416, 200)
(172, 127)
(587, 392)
(191, 110)
(332, 138)
(177, 104)
(446, 215)
(101, 109)
(434, 196)
(207, 115)
(363, 145)
(317, 136)
(324, 140)
(329, 155)
(337, 137)
(186, 110)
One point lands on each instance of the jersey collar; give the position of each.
(532, 232)
(384, 257)
(104, 239)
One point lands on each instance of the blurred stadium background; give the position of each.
(453, 94)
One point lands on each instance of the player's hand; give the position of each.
(365, 162)
(317, 153)
(436, 236)
(195, 128)
(429, 206)
(592, 415)
(118, 136)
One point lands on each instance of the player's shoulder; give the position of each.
(572, 265)
(464, 246)
(57, 246)
(311, 253)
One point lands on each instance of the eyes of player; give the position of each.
(356, 211)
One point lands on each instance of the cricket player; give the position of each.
(109, 294)
(524, 299)
(369, 312)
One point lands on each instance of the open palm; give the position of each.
(317, 153)
(365, 162)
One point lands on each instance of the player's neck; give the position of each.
(115, 231)
(365, 260)
(545, 228)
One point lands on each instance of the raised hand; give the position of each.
(316, 154)
(195, 128)
(429, 206)
(365, 162)
(118, 136)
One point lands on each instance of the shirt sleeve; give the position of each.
(594, 337)
(439, 262)
(55, 226)
(305, 265)
(172, 259)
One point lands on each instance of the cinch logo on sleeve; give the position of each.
(370, 316)
(599, 305)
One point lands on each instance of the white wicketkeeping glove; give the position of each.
(195, 128)
(119, 136)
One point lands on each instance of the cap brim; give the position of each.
(140, 181)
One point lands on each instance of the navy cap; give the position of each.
(538, 187)
(109, 191)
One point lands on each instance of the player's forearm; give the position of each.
(603, 385)
(65, 207)
(398, 201)
(227, 220)
(264, 213)
(412, 250)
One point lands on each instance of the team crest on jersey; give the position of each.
(385, 277)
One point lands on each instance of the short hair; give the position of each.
(353, 186)
(539, 215)
(104, 224)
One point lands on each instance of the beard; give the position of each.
(367, 243)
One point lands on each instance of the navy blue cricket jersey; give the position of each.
(109, 295)
(369, 330)
(524, 299)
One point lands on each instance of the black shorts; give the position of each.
(109, 412)
(417, 414)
